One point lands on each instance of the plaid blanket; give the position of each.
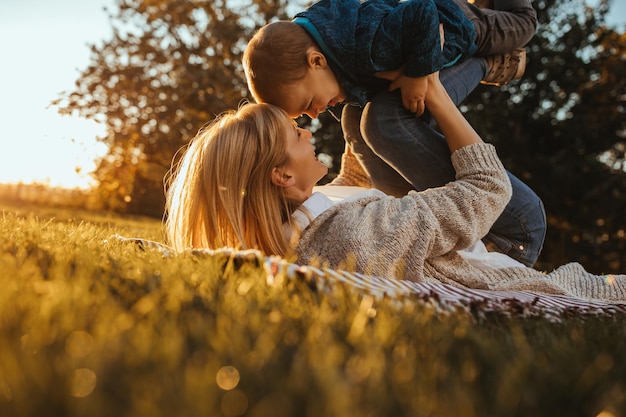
(445, 298)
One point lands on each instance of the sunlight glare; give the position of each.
(62, 156)
(49, 48)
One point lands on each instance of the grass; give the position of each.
(93, 327)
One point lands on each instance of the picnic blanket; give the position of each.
(444, 297)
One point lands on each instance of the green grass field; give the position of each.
(93, 327)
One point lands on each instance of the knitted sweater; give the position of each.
(361, 38)
(417, 237)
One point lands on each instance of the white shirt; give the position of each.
(324, 197)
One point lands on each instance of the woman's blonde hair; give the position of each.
(221, 193)
(275, 58)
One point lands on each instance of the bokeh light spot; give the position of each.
(78, 344)
(234, 403)
(609, 279)
(83, 382)
(227, 377)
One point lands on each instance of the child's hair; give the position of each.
(221, 194)
(276, 58)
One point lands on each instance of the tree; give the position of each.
(171, 66)
(562, 130)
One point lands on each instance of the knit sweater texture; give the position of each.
(362, 38)
(417, 237)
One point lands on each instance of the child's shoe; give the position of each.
(505, 67)
(351, 172)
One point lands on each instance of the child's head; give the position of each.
(239, 180)
(285, 67)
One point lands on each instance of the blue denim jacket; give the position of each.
(360, 39)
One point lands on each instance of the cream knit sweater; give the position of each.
(416, 237)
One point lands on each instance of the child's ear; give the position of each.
(316, 59)
(281, 179)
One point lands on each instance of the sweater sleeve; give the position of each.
(465, 210)
(382, 235)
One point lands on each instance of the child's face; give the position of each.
(303, 166)
(318, 90)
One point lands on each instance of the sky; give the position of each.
(44, 46)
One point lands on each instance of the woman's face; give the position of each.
(303, 166)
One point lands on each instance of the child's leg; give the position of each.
(383, 176)
(459, 80)
(511, 25)
(420, 154)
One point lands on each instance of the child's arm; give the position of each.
(414, 89)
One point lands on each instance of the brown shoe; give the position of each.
(505, 67)
(351, 172)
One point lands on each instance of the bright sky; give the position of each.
(44, 45)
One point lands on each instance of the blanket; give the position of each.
(444, 297)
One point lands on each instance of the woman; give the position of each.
(247, 181)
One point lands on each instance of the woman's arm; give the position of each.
(455, 128)
(384, 235)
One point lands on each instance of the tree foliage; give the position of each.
(171, 66)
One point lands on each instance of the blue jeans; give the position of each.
(401, 152)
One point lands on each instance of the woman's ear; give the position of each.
(281, 179)
(315, 58)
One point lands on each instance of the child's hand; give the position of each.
(413, 89)
(414, 92)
